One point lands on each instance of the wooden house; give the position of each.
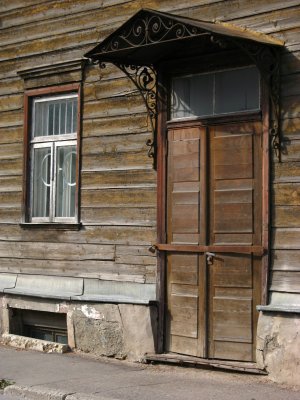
(150, 179)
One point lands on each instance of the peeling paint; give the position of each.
(91, 312)
(63, 308)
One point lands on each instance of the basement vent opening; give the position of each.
(39, 325)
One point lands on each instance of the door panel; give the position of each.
(229, 202)
(230, 319)
(235, 195)
(183, 301)
(233, 186)
(186, 224)
(213, 199)
(186, 324)
(233, 158)
(186, 180)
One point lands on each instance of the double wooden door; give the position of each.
(213, 249)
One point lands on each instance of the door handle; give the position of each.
(210, 257)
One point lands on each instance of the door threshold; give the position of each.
(180, 359)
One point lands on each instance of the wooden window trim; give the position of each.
(216, 120)
(29, 95)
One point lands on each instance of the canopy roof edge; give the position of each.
(251, 34)
(142, 39)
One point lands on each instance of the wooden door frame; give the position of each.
(163, 88)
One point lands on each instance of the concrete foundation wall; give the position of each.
(278, 346)
(113, 330)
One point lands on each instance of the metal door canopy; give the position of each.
(151, 36)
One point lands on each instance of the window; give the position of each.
(46, 333)
(52, 157)
(216, 93)
(39, 325)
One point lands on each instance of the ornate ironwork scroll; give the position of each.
(144, 78)
(220, 41)
(149, 29)
(267, 60)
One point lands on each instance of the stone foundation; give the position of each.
(113, 330)
(278, 346)
(23, 342)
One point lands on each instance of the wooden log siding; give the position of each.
(118, 183)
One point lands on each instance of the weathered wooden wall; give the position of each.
(118, 192)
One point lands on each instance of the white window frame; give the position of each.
(53, 142)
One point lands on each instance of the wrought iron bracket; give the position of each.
(144, 79)
(267, 60)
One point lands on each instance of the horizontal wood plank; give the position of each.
(286, 194)
(57, 251)
(286, 217)
(286, 172)
(126, 160)
(285, 260)
(118, 106)
(115, 125)
(11, 135)
(119, 198)
(89, 234)
(104, 270)
(285, 238)
(114, 144)
(137, 216)
(117, 178)
(285, 281)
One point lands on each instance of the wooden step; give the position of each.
(180, 359)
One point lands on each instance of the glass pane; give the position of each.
(60, 338)
(180, 98)
(215, 93)
(63, 118)
(38, 116)
(65, 181)
(50, 118)
(41, 334)
(237, 90)
(74, 122)
(69, 117)
(192, 96)
(55, 117)
(202, 95)
(41, 182)
(40, 119)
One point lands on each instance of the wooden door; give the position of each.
(186, 213)
(213, 240)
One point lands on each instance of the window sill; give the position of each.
(280, 308)
(51, 226)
